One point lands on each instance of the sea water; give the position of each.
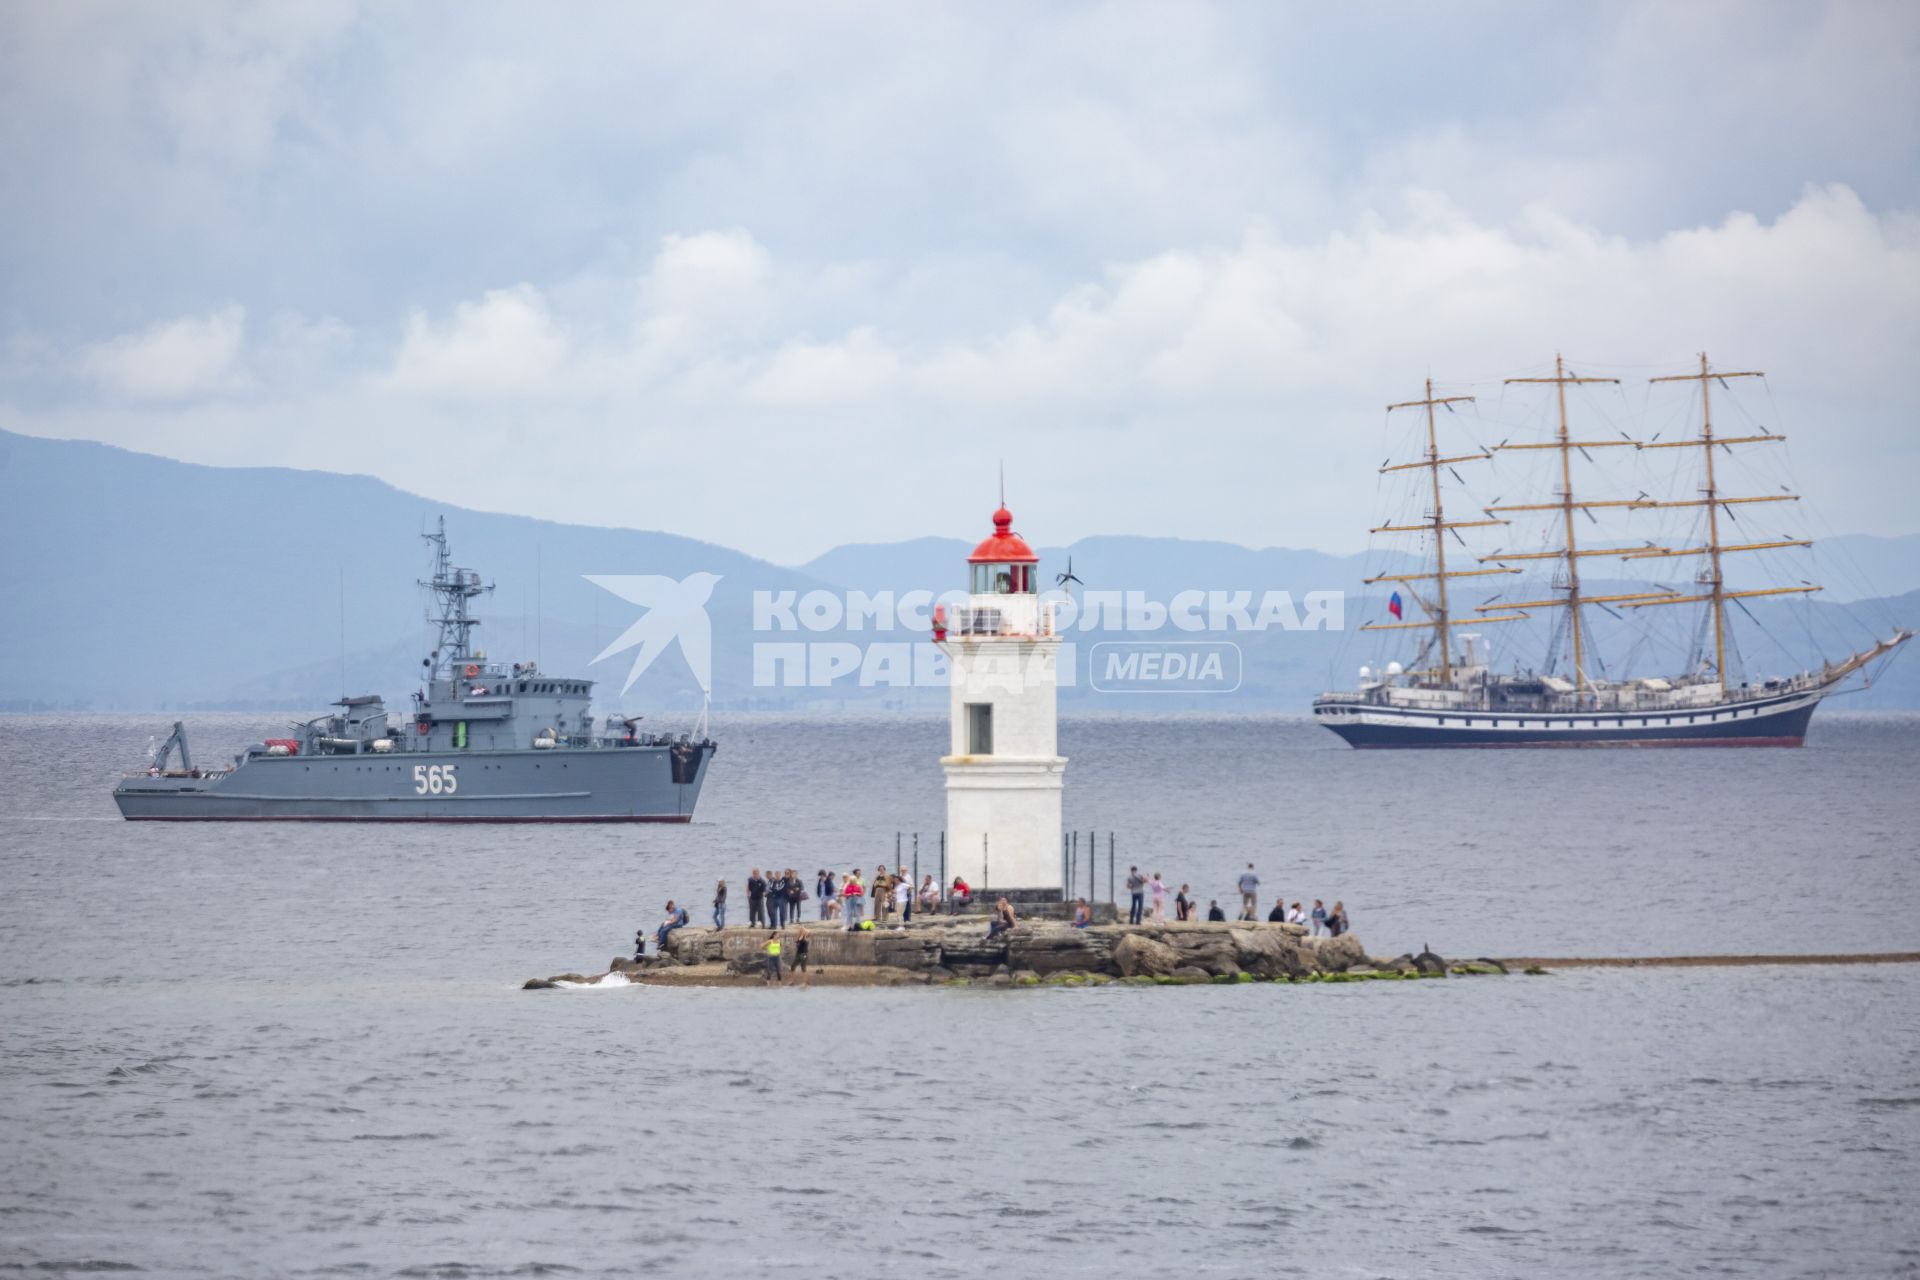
(266, 1049)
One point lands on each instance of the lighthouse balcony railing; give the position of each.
(1003, 615)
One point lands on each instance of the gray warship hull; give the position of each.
(651, 783)
(485, 741)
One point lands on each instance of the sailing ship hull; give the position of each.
(1762, 722)
(605, 784)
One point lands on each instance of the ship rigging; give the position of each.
(1453, 697)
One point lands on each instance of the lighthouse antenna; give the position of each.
(1003, 482)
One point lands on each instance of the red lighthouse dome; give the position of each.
(1003, 563)
(1004, 546)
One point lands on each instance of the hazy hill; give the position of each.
(136, 581)
(132, 581)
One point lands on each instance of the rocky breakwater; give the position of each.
(958, 952)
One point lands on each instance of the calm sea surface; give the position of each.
(297, 1050)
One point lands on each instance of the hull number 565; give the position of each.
(435, 779)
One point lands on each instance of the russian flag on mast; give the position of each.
(1393, 604)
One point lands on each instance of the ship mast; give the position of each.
(452, 587)
(1717, 592)
(1566, 445)
(1440, 617)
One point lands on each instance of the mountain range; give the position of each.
(138, 582)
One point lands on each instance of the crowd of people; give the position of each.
(777, 900)
(1147, 900)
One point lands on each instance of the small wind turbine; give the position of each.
(1066, 580)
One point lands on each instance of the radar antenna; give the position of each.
(452, 588)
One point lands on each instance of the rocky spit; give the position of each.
(955, 951)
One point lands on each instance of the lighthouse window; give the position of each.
(1002, 579)
(979, 728)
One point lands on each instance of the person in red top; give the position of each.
(854, 894)
(962, 895)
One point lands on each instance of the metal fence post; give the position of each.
(1112, 899)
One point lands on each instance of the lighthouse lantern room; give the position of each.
(1004, 772)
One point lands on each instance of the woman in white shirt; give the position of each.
(1158, 889)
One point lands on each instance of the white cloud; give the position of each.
(1233, 390)
(858, 369)
(508, 342)
(174, 359)
(1174, 256)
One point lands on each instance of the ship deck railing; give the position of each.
(1634, 700)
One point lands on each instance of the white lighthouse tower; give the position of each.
(1004, 769)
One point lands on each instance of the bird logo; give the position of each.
(674, 611)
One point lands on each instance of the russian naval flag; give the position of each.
(1393, 604)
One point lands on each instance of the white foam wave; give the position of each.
(604, 980)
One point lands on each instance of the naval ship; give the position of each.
(1449, 695)
(485, 742)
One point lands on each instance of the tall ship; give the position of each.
(1453, 693)
(485, 741)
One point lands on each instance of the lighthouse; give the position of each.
(1004, 771)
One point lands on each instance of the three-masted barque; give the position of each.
(1449, 695)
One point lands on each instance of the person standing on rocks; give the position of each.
(881, 890)
(801, 945)
(756, 900)
(1137, 891)
(1337, 919)
(1158, 889)
(720, 906)
(903, 894)
(1319, 916)
(796, 895)
(1279, 913)
(1249, 893)
(825, 890)
(1295, 915)
(855, 897)
(776, 900)
(1183, 905)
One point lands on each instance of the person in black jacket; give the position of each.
(756, 900)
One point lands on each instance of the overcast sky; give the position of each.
(786, 276)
